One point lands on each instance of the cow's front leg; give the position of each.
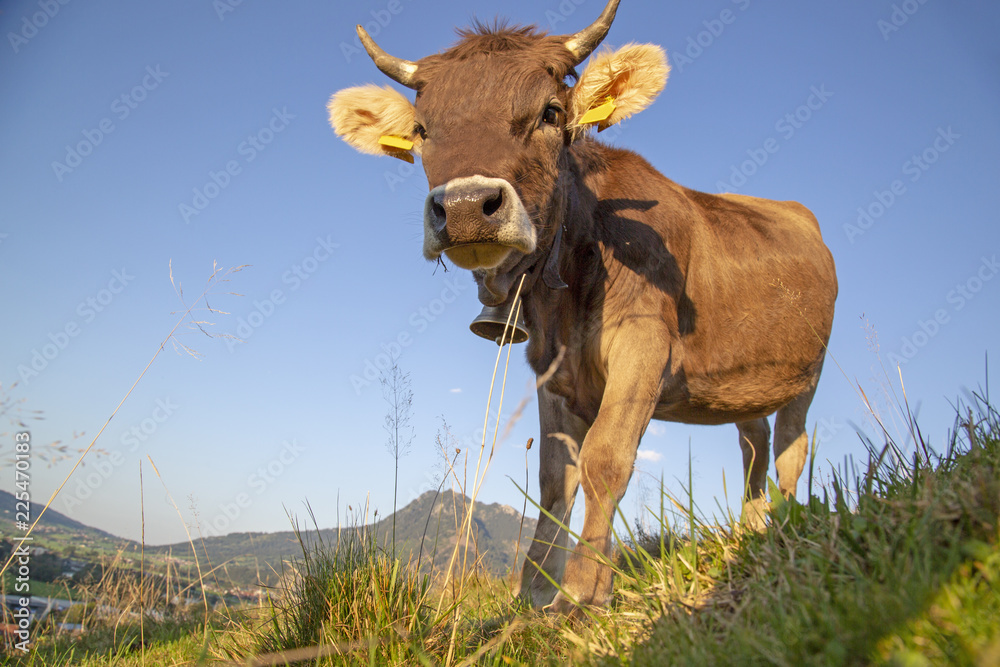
(606, 462)
(562, 434)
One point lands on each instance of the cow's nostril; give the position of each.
(439, 212)
(493, 204)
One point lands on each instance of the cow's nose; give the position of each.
(470, 206)
(477, 221)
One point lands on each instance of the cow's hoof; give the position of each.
(561, 605)
(755, 515)
(536, 598)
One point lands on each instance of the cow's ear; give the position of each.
(366, 117)
(618, 84)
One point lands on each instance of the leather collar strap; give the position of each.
(550, 274)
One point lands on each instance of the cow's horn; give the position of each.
(583, 43)
(397, 69)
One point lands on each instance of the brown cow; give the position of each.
(680, 305)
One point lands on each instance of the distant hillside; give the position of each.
(54, 526)
(495, 531)
(249, 558)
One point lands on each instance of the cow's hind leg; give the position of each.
(791, 442)
(755, 438)
(562, 435)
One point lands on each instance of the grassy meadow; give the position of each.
(896, 564)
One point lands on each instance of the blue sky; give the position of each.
(142, 135)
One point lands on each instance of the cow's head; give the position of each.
(494, 121)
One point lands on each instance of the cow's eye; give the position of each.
(551, 115)
(419, 130)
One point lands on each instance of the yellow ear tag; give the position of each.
(398, 143)
(397, 147)
(599, 114)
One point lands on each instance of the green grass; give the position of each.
(167, 642)
(348, 592)
(60, 590)
(352, 598)
(897, 565)
(904, 570)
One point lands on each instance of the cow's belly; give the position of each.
(732, 396)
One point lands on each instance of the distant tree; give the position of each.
(89, 573)
(46, 567)
(398, 395)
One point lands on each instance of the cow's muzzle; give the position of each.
(477, 222)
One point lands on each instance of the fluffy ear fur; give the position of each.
(633, 75)
(362, 114)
